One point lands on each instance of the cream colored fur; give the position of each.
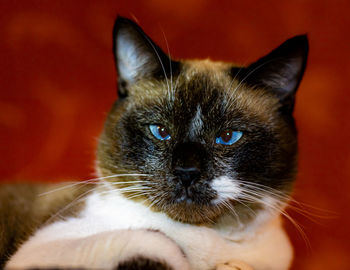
(112, 228)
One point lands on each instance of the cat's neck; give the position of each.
(117, 212)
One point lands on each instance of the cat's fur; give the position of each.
(187, 202)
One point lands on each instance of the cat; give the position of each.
(196, 163)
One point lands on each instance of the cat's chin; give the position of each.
(188, 212)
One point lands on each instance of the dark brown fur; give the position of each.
(139, 263)
(256, 100)
(255, 111)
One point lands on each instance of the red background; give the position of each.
(57, 82)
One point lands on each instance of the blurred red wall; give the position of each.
(57, 82)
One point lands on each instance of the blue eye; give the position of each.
(160, 132)
(228, 137)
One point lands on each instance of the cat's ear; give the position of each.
(281, 70)
(137, 56)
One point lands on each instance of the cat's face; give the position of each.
(209, 139)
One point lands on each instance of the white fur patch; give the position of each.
(103, 250)
(197, 122)
(130, 60)
(93, 238)
(226, 188)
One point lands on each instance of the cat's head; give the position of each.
(208, 139)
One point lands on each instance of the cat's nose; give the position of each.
(187, 176)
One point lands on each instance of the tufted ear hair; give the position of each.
(137, 56)
(280, 71)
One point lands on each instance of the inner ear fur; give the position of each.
(137, 56)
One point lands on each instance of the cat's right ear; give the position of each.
(137, 57)
(280, 71)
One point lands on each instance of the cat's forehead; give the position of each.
(204, 85)
(211, 85)
(209, 77)
(215, 70)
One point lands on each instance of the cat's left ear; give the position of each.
(280, 71)
(137, 57)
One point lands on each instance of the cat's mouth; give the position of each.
(189, 212)
(193, 204)
(190, 195)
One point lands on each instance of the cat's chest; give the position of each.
(113, 212)
(203, 246)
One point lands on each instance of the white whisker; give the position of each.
(89, 181)
(255, 197)
(77, 200)
(232, 210)
(170, 66)
(160, 61)
(82, 183)
(250, 73)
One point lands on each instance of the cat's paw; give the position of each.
(142, 263)
(107, 250)
(148, 249)
(233, 265)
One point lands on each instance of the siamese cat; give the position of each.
(195, 165)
